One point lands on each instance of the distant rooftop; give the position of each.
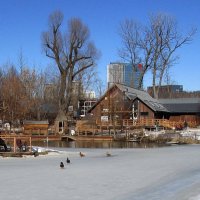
(182, 105)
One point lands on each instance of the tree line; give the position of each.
(22, 93)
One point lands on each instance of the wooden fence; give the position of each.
(85, 126)
(159, 122)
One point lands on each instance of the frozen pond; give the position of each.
(165, 173)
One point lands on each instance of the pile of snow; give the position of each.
(191, 133)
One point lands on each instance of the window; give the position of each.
(61, 126)
(144, 113)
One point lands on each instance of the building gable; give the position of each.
(133, 94)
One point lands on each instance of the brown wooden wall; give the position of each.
(112, 103)
(144, 109)
(39, 129)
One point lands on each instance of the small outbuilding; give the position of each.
(36, 127)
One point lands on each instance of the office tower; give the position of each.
(123, 73)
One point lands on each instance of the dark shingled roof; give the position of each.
(182, 105)
(132, 94)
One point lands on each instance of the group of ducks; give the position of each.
(68, 160)
(62, 164)
(81, 155)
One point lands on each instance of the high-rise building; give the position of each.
(123, 73)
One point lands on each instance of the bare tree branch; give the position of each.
(153, 46)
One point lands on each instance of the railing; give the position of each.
(146, 122)
(159, 122)
(109, 123)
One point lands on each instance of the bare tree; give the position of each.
(167, 40)
(52, 85)
(68, 50)
(1, 97)
(99, 87)
(137, 47)
(130, 33)
(34, 85)
(13, 96)
(153, 45)
(21, 93)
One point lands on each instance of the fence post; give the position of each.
(14, 144)
(30, 141)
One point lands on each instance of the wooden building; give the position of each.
(123, 107)
(183, 109)
(122, 102)
(36, 127)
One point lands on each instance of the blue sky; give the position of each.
(23, 21)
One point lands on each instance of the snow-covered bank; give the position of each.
(135, 174)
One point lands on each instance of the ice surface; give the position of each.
(129, 174)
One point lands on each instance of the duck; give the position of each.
(82, 154)
(68, 160)
(61, 165)
(108, 154)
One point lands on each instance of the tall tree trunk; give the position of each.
(62, 101)
(154, 83)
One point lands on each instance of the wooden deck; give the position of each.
(10, 137)
(148, 123)
(84, 127)
(88, 138)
